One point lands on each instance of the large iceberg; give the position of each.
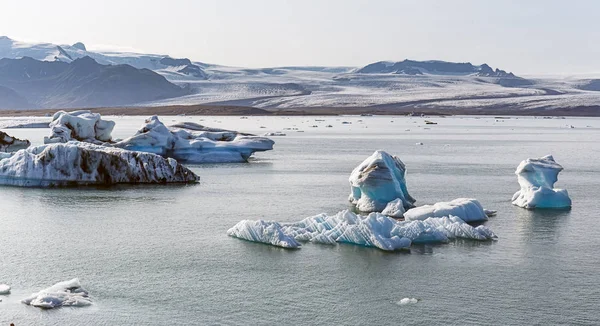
(11, 144)
(80, 125)
(195, 143)
(63, 294)
(468, 209)
(79, 163)
(373, 230)
(378, 181)
(537, 178)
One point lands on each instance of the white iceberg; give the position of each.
(537, 178)
(11, 144)
(80, 125)
(195, 143)
(406, 301)
(78, 163)
(395, 208)
(63, 294)
(4, 289)
(468, 209)
(265, 232)
(374, 230)
(377, 181)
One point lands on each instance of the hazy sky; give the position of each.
(523, 36)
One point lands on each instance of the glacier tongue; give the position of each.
(67, 293)
(537, 178)
(79, 163)
(374, 230)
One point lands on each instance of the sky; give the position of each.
(530, 37)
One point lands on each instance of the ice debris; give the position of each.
(4, 289)
(468, 209)
(11, 144)
(79, 163)
(67, 293)
(373, 230)
(406, 301)
(377, 181)
(537, 178)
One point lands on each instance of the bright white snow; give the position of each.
(374, 230)
(468, 209)
(537, 178)
(79, 163)
(63, 294)
(377, 181)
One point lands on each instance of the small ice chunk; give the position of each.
(395, 208)
(537, 178)
(264, 232)
(67, 293)
(4, 289)
(12, 144)
(406, 301)
(468, 209)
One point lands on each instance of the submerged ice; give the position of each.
(373, 230)
(79, 163)
(377, 181)
(468, 209)
(537, 178)
(63, 294)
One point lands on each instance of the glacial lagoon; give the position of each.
(161, 255)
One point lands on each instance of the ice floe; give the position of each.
(537, 178)
(80, 125)
(195, 143)
(373, 230)
(468, 209)
(79, 163)
(63, 294)
(406, 301)
(4, 289)
(11, 144)
(377, 181)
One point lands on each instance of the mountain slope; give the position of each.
(433, 67)
(12, 100)
(83, 83)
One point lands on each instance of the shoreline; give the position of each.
(216, 110)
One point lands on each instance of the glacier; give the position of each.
(11, 144)
(537, 177)
(468, 209)
(4, 289)
(79, 163)
(377, 181)
(194, 143)
(63, 294)
(82, 125)
(373, 230)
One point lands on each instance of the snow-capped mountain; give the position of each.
(433, 67)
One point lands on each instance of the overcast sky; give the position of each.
(526, 37)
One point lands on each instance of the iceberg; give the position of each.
(468, 209)
(194, 143)
(406, 301)
(4, 289)
(395, 208)
(80, 125)
(63, 294)
(377, 181)
(261, 231)
(537, 178)
(11, 144)
(79, 163)
(373, 230)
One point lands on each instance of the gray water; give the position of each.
(160, 254)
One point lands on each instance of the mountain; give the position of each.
(174, 69)
(80, 83)
(433, 67)
(10, 99)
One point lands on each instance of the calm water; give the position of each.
(160, 255)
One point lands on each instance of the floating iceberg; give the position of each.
(468, 209)
(11, 144)
(265, 232)
(195, 143)
(377, 181)
(80, 125)
(537, 178)
(78, 163)
(374, 230)
(395, 208)
(4, 289)
(406, 301)
(63, 294)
